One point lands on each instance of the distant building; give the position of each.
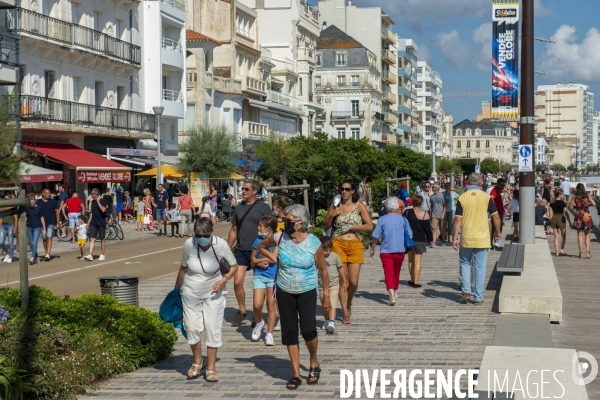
(348, 80)
(407, 128)
(447, 133)
(482, 139)
(429, 108)
(541, 150)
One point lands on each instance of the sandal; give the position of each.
(346, 320)
(211, 376)
(350, 309)
(410, 283)
(580, 255)
(293, 383)
(314, 373)
(588, 254)
(192, 374)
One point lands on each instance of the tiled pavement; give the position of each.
(428, 328)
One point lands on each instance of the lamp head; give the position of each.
(158, 110)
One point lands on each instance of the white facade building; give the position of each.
(595, 139)
(429, 107)
(407, 128)
(482, 139)
(541, 148)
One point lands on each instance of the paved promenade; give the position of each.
(428, 328)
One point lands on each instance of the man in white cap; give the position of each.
(490, 187)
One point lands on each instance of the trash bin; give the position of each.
(122, 288)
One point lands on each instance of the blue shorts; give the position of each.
(73, 219)
(49, 232)
(263, 282)
(161, 213)
(119, 207)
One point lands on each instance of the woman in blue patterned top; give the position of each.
(298, 255)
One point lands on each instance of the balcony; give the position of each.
(8, 61)
(253, 86)
(347, 115)
(285, 65)
(284, 100)
(388, 77)
(208, 80)
(388, 57)
(172, 95)
(388, 36)
(177, 4)
(227, 84)
(378, 116)
(246, 34)
(409, 56)
(255, 130)
(392, 139)
(404, 91)
(77, 36)
(312, 12)
(321, 117)
(390, 118)
(404, 110)
(170, 44)
(191, 79)
(266, 54)
(389, 97)
(41, 109)
(306, 54)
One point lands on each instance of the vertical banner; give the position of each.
(199, 187)
(505, 60)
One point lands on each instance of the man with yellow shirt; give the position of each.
(471, 214)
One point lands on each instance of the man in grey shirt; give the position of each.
(438, 210)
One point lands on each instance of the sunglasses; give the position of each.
(203, 236)
(246, 189)
(347, 189)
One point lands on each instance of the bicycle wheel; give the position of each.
(120, 234)
(110, 232)
(63, 225)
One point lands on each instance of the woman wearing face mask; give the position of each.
(203, 293)
(298, 254)
(280, 203)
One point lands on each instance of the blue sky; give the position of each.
(454, 36)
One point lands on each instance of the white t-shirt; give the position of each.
(514, 205)
(82, 231)
(566, 187)
(198, 282)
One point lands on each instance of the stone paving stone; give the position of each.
(427, 329)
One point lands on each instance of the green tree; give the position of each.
(489, 165)
(279, 157)
(212, 150)
(572, 168)
(10, 162)
(540, 167)
(558, 167)
(445, 165)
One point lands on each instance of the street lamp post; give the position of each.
(158, 110)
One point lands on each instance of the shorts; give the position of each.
(95, 230)
(263, 282)
(243, 258)
(436, 222)
(50, 229)
(515, 217)
(334, 292)
(128, 211)
(558, 221)
(140, 217)
(161, 213)
(73, 219)
(419, 248)
(119, 207)
(350, 251)
(81, 241)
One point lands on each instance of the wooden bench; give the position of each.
(512, 258)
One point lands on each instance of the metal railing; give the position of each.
(35, 108)
(388, 35)
(284, 99)
(179, 5)
(65, 32)
(172, 95)
(8, 50)
(347, 115)
(171, 44)
(266, 54)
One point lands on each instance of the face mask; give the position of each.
(262, 234)
(275, 213)
(203, 241)
(290, 227)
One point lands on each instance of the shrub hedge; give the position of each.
(68, 345)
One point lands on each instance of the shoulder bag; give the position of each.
(408, 242)
(241, 221)
(224, 266)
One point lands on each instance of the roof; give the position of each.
(334, 38)
(69, 154)
(487, 127)
(193, 36)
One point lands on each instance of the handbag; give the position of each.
(408, 242)
(146, 219)
(224, 266)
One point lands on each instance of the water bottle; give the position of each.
(337, 200)
(498, 243)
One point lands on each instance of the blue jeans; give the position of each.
(34, 237)
(8, 231)
(479, 256)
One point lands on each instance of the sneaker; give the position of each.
(257, 331)
(172, 237)
(5, 258)
(324, 325)
(278, 325)
(331, 327)
(159, 234)
(89, 257)
(47, 257)
(102, 257)
(478, 303)
(8, 260)
(465, 298)
(269, 340)
(31, 261)
(239, 317)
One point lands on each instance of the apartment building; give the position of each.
(429, 108)
(541, 151)
(482, 139)
(162, 29)
(407, 128)
(595, 133)
(348, 81)
(379, 39)
(447, 133)
(564, 116)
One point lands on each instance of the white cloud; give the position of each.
(424, 54)
(462, 54)
(567, 59)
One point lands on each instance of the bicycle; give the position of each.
(58, 231)
(113, 230)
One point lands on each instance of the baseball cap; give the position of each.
(494, 180)
(403, 185)
(409, 202)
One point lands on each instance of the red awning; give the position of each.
(90, 167)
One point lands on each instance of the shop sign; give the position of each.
(42, 178)
(103, 176)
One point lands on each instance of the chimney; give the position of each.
(349, 3)
(324, 25)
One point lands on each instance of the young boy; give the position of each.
(264, 275)
(173, 217)
(127, 206)
(141, 207)
(333, 265)
(82, 234)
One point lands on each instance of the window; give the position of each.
(487, 143)
(237, 120)
(355, 133)
(458, 144)
(300, 86)
(341, 60)
(207, 115)
(317, 81)
(341, 80)
(50, 84)
(355, 111)
(189, 122)
(477, 143)
(468, 154)
(318, 60)
(291, 88)
(341, 132)
(118, 27)
(225, 117)
(97, 21)
(120, 97)
(76, 81)
(98, 94)
(427, 133)
(354, 80)
(468, 144)
(131, 83)
(428, 145)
